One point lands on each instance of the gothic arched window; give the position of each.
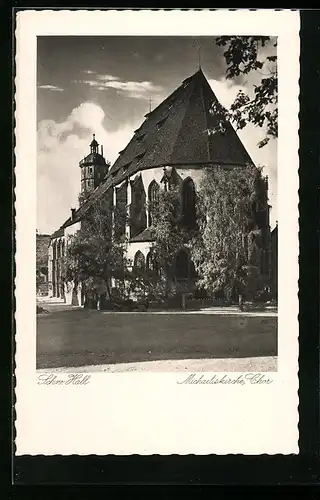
(54, 250)
(63, 248)
(189, 204)
(121, 211)
(139, 260)
(138, 214)
(192, 270)
(153, 195)
(151, 263)
(182, 265)
(59, 249)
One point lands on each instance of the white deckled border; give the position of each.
(150, 413)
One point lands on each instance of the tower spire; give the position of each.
(94, 145)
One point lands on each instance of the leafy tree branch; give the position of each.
(260, 109)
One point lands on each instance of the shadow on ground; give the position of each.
(79, 337)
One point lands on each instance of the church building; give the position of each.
(172, 145)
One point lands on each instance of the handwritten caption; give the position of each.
(242, 379)
(193, 378)
(71, 379)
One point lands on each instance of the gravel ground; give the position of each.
(258, 364)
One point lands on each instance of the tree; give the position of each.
(168, 234)
(144, 282)
(42, 245)
(227, 250)
(242, 57)
(93, 257)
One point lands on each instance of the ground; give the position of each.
(78, 338)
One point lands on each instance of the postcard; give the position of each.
(157, 232)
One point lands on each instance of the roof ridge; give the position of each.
(205, 117)
(172, 93)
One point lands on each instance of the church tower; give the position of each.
(93, 168)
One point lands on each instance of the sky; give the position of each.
(105, 85)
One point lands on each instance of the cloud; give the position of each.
(136, 90)
(107, 78)
(133, 89)
(225, 91)
(50, 87)
(89, 71)
(60, 148)
(250, 136)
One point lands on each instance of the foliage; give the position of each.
(242, 57)
(226, 252)
(92, 258)
(42, 245)
(166, 227)
(95, 254)
(168, 233)
(143, 283)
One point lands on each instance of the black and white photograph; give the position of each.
(157, 232)
(157, 203)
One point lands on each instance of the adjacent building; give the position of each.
(42, 245)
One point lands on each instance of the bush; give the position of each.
(41, 310)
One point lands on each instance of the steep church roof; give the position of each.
(175, 133)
